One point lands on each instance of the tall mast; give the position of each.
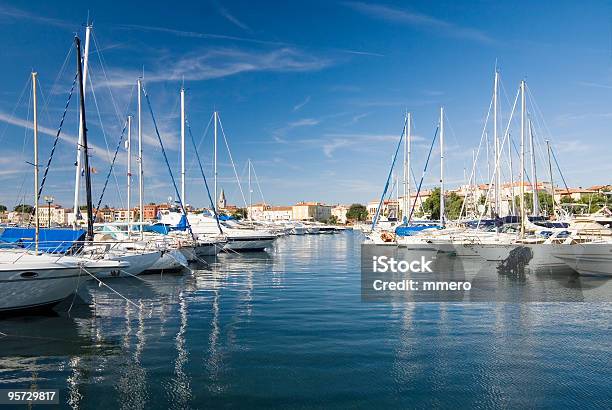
(83, 126)
(552, 183)
(250, 191)
(406, 210)
(522, 170)
(497, 147)
(36, 215)
(140, 174)
(512, 206)
(215, 159)
(79, 159)
(442, 166)
(129, 171)
(534, 176)
(183, 145)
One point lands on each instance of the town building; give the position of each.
(278, 213)
(311, 211)
(339, 211)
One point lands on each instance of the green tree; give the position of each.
(594, 202)
(3, 208)
(24, 208)
(452, 205)
(357, 212)
(431, 206)
(240, 213)
(332, 220)
(544, 201)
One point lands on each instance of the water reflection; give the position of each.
(288, 328)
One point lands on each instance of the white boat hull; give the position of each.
(29, 284)
(138, 263)
(169, 260)
(588, 259)
(238, 244)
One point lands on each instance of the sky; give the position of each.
(314, 93)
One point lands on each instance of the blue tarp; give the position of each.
(49, 239)
(409, 230)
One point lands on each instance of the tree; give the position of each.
(544, 201)
(24, 208)
(431, 206)
(3, 208)
(594, 201)
(240, 213)
(357, 212)
(452, 205)
(333, 220)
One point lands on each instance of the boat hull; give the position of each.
(237, 244)
(171, 260)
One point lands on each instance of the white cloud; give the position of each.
(420, 20)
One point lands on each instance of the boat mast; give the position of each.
(183, 145)
(129, 171)
(250, 191)
(512, 205)
(522, 170)
(534, 176)
(83, 126)
(79, 159)
(442, 166)
(497, 148)
(407, 167)
(215, 159)
(36, 215)
(552, 183)
(140, 174)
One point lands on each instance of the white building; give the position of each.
(278, 213)
(339, 211)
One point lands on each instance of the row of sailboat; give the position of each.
(41, 266)
(551, 242)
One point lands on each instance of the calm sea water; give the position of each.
(288, 328)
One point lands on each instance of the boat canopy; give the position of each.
(50, 240)
(409, 230)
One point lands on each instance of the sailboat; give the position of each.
(235, 237)
(31, 279)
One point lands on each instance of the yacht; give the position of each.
(31, 280)
(239, 237)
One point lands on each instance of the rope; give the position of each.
(382, 197)
(212, 204)
(433, 141)
(161, 144)
(100, 283)
(559, 169)
(110, 170)
(232, 160)
(57, 135)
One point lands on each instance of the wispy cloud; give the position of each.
(99, 151)
(218, 63)
(196, 34)
(230, 17)
(19, 14)
(302, 104)
(421, 21)
(595, 85)
(280, 134)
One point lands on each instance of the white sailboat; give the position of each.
(30, 279)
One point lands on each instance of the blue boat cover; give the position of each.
(409, 230)
(51, 240)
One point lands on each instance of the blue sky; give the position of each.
(312, 92)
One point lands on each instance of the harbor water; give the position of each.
(288, 328)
